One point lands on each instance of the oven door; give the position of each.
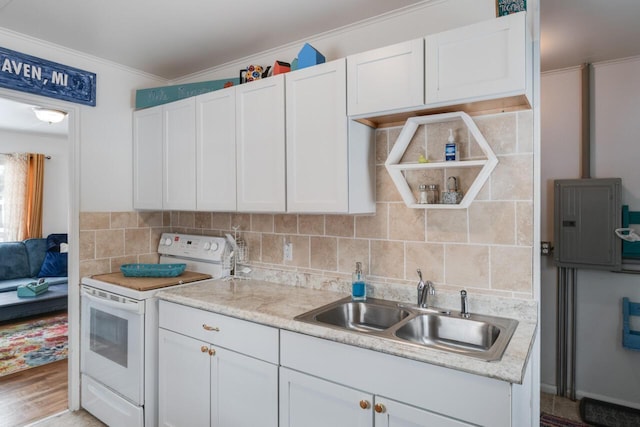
(112, 344)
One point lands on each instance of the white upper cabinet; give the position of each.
(487, 60)
(216, 150)
(385, 79)
(260, 145)
(147, 158)
(179, 155)
(317, 163)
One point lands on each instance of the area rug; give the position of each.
(32, 343)
(605, 414)
(548, 420)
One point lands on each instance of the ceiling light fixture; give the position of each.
(49, 115)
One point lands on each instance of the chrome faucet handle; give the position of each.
(464, 304)
(421, 287)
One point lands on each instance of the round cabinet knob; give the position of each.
(379, 408)
(206, 246)
(167, 241)
(212, 352)
(214, 246)
(364, 404)
(204, 349)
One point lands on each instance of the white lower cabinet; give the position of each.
(204, 384)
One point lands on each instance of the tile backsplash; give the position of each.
(486, 248)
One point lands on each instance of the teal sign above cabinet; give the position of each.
(27, 73)
(146, 98)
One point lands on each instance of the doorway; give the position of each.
(70, 154)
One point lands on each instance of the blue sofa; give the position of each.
(22, 263)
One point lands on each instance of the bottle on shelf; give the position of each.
(358, 286)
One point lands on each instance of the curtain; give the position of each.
(15, 191)
(24, 181)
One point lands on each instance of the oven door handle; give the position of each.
(134, 308)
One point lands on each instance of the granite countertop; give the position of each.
(276, 305)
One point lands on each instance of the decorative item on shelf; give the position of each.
(309, 56)
(253, 72)
(451, 148)
(281, 67)
(294, 64)
(422, 159)
(428, 194)
(507, 7)
(452, 196)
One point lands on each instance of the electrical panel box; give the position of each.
(587, 212)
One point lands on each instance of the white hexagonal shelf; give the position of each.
(396, 169)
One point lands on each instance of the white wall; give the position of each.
(605, 370)
(56, 174)
(105, 130)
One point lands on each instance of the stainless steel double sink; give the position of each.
(479, 336)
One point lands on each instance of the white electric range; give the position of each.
(119, 330)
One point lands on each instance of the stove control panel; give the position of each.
(205, 248)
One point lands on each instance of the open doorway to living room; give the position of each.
(33, 271)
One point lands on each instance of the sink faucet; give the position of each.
(424, 290)
(464, 304)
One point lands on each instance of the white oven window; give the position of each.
(108, 336)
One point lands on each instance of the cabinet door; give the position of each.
(244, 391)
(260, 146)
(479, 61)
(307, 401)
(317, 151)
(180, 155)
(216, 150)
(183, 385)
(389, 413)
(147, 158)
(388, 78)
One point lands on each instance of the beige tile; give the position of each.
(166, 219)
(174, 219)
(286, 224)
(546, 403)
(417, 146)
(447, 225)
(149, 258)
(202, 220)
(512, 179)
(524, 223)
(221, 221)
(406, 223)
(387, 259)
(394, 133)
(511, 268)
(95, 220)
(499, 131)
(428, 257)
(351, 251)
(272, 245)
(373, 226)
(150, 219)
(525, 131)
(340, 225)
(492, 223)
(385, 189)
(566, 408)
(262, 223)
(124, 219)
(300, 251)
(137, 241)
(382, 146)
(187, 219)
(87, 245)
(241, 220)
(94, 266)
(109, 243)
(154, 240)
(467, 265)
(254, 245)
(119, 261)
(311, 224)
(324, 253)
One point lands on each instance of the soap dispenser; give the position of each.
(358, 286)
(451, 149)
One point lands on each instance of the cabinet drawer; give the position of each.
(245, 337)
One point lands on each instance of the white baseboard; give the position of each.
(552, 389)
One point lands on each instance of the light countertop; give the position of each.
(276, 305)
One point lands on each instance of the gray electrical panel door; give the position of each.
(587, 212)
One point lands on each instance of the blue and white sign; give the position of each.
(27, 73)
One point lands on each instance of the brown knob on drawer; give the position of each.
(210, 328)
(204, 349)
(212, 352)
(379, 408)
(364, 404)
